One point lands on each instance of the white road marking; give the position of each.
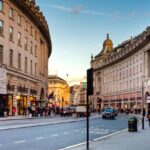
(110, 135)
(17, 142)
(39, 138)
(69, 147)
(66, 133)
(54, 135)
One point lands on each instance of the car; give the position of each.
(65, 111)
(109, 113)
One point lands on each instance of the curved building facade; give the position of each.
(122, 74)
(25, 47)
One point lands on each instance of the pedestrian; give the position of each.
(14, 110)
(148, 116)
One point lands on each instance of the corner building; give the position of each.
(122, 74)
(25, 47)
(60, 90)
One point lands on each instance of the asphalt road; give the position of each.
(57, 136)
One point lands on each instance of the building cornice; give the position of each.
(33, 12)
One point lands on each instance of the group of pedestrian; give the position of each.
(33, 111)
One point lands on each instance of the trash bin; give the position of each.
(132, 124)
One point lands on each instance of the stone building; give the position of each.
(58, 91)
(75, 94)
(122, 74)
(25, 47)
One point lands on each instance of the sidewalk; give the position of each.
(51, 120)
(19, 117)
(123, 141)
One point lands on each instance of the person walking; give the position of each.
(148, 116)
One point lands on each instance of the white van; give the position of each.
(81, 111)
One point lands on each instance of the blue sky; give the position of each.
(78, 29)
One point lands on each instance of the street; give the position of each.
(57, 136)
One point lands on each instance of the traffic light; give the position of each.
(90, 81)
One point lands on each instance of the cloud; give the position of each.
(147, 14)
(81, 9)
(133, 14)
(77, 9)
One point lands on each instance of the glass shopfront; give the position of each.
(22, 105)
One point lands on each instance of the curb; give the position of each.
(44, 124)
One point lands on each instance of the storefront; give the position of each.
(10, 104)
(3, 104)
(22, 105)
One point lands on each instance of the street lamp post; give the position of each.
(143, 113)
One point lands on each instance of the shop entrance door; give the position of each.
(22, 104)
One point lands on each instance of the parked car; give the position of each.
(65, 111)
(109, 113)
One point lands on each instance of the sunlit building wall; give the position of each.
(25, 47)
(122, 74)
(60, 91)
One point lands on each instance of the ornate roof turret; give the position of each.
(107, 47)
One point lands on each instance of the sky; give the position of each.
(78, 29)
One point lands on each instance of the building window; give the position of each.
(25, 25)
(1, 54)
(1, 5)
(19, 39)
(19, 61)
(31, 67)
(35, 68)
(10, 33)
(19, 19)
(35, 51)
(25, 43)
(11, 13)
(35, 35)
(1, 27)
(31, 32)
(26, 64)
(11, 58)
(31, 45)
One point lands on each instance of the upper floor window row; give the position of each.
(1, 5)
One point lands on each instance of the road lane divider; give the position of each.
(39, 138)
(17, 142)
(54, 135)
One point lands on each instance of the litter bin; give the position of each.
(132, 124)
